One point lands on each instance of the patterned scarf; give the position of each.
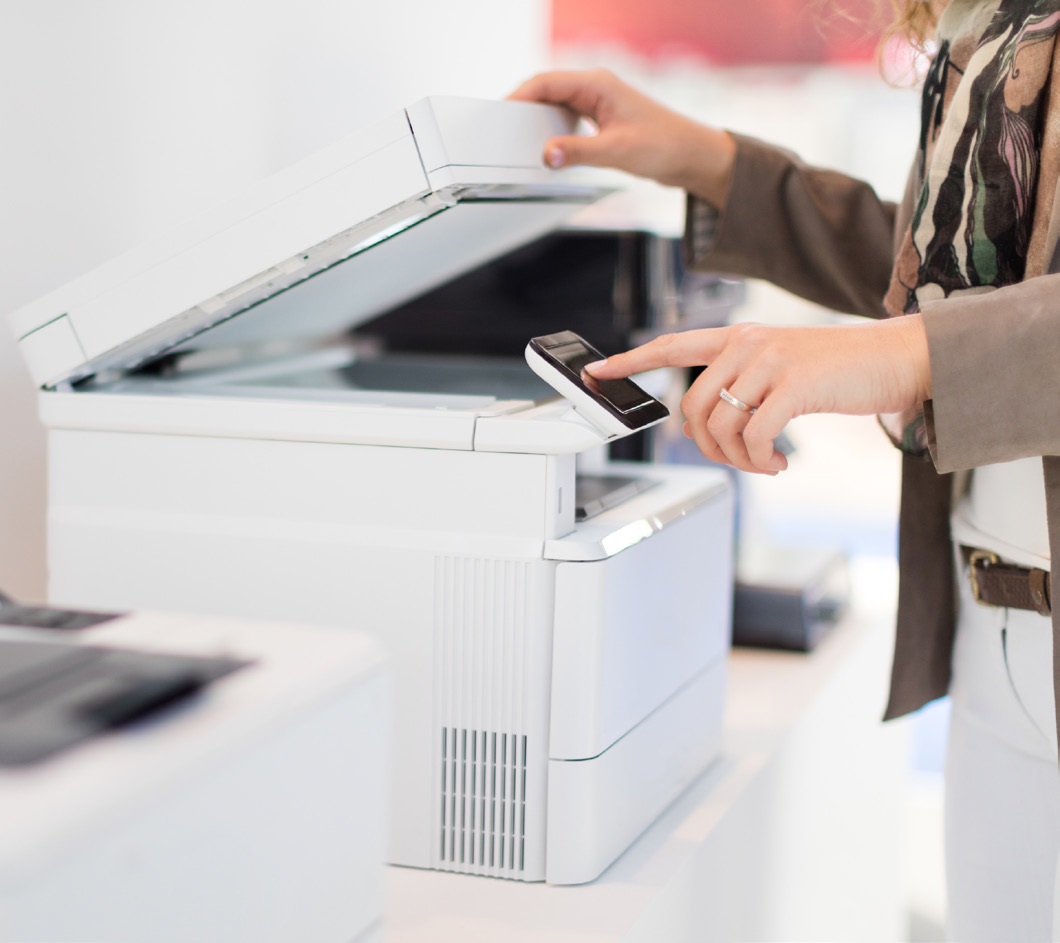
(987, 164)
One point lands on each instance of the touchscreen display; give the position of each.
(624, 395)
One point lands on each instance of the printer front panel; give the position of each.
(638, 672)
(633, 629)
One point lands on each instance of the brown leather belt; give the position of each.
(995, 583)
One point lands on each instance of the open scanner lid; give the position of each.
(322, 246)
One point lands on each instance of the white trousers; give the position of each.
(1002, 782)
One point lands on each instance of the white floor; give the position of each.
(925, 883)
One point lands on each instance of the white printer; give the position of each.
(166, 778)
(216, 445)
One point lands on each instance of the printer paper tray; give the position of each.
(634, 627)
(597, 807)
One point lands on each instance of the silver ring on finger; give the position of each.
(738, 403)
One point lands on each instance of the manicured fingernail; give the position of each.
(594, 366)
(555, 158)
(779, 463)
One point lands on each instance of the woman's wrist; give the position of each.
(914, 339)
(704, 168)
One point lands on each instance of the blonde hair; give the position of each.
(914, 20)
(904, 21)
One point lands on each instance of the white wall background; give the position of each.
(118, 117)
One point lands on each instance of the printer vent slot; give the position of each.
(483, 808)
(485, 612)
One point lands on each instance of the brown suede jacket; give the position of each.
(995, 368)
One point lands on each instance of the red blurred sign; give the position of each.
(745, 32)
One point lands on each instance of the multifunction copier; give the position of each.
(166, 778)
(558, 623)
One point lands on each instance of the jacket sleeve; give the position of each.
(819, 234)
(995, 374)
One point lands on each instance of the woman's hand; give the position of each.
(781, 373)
(634, 133)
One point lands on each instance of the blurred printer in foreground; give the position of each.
(167, 778)
(218, 444)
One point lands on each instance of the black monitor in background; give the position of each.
(595, 284)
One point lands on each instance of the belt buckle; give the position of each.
(987, 558)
